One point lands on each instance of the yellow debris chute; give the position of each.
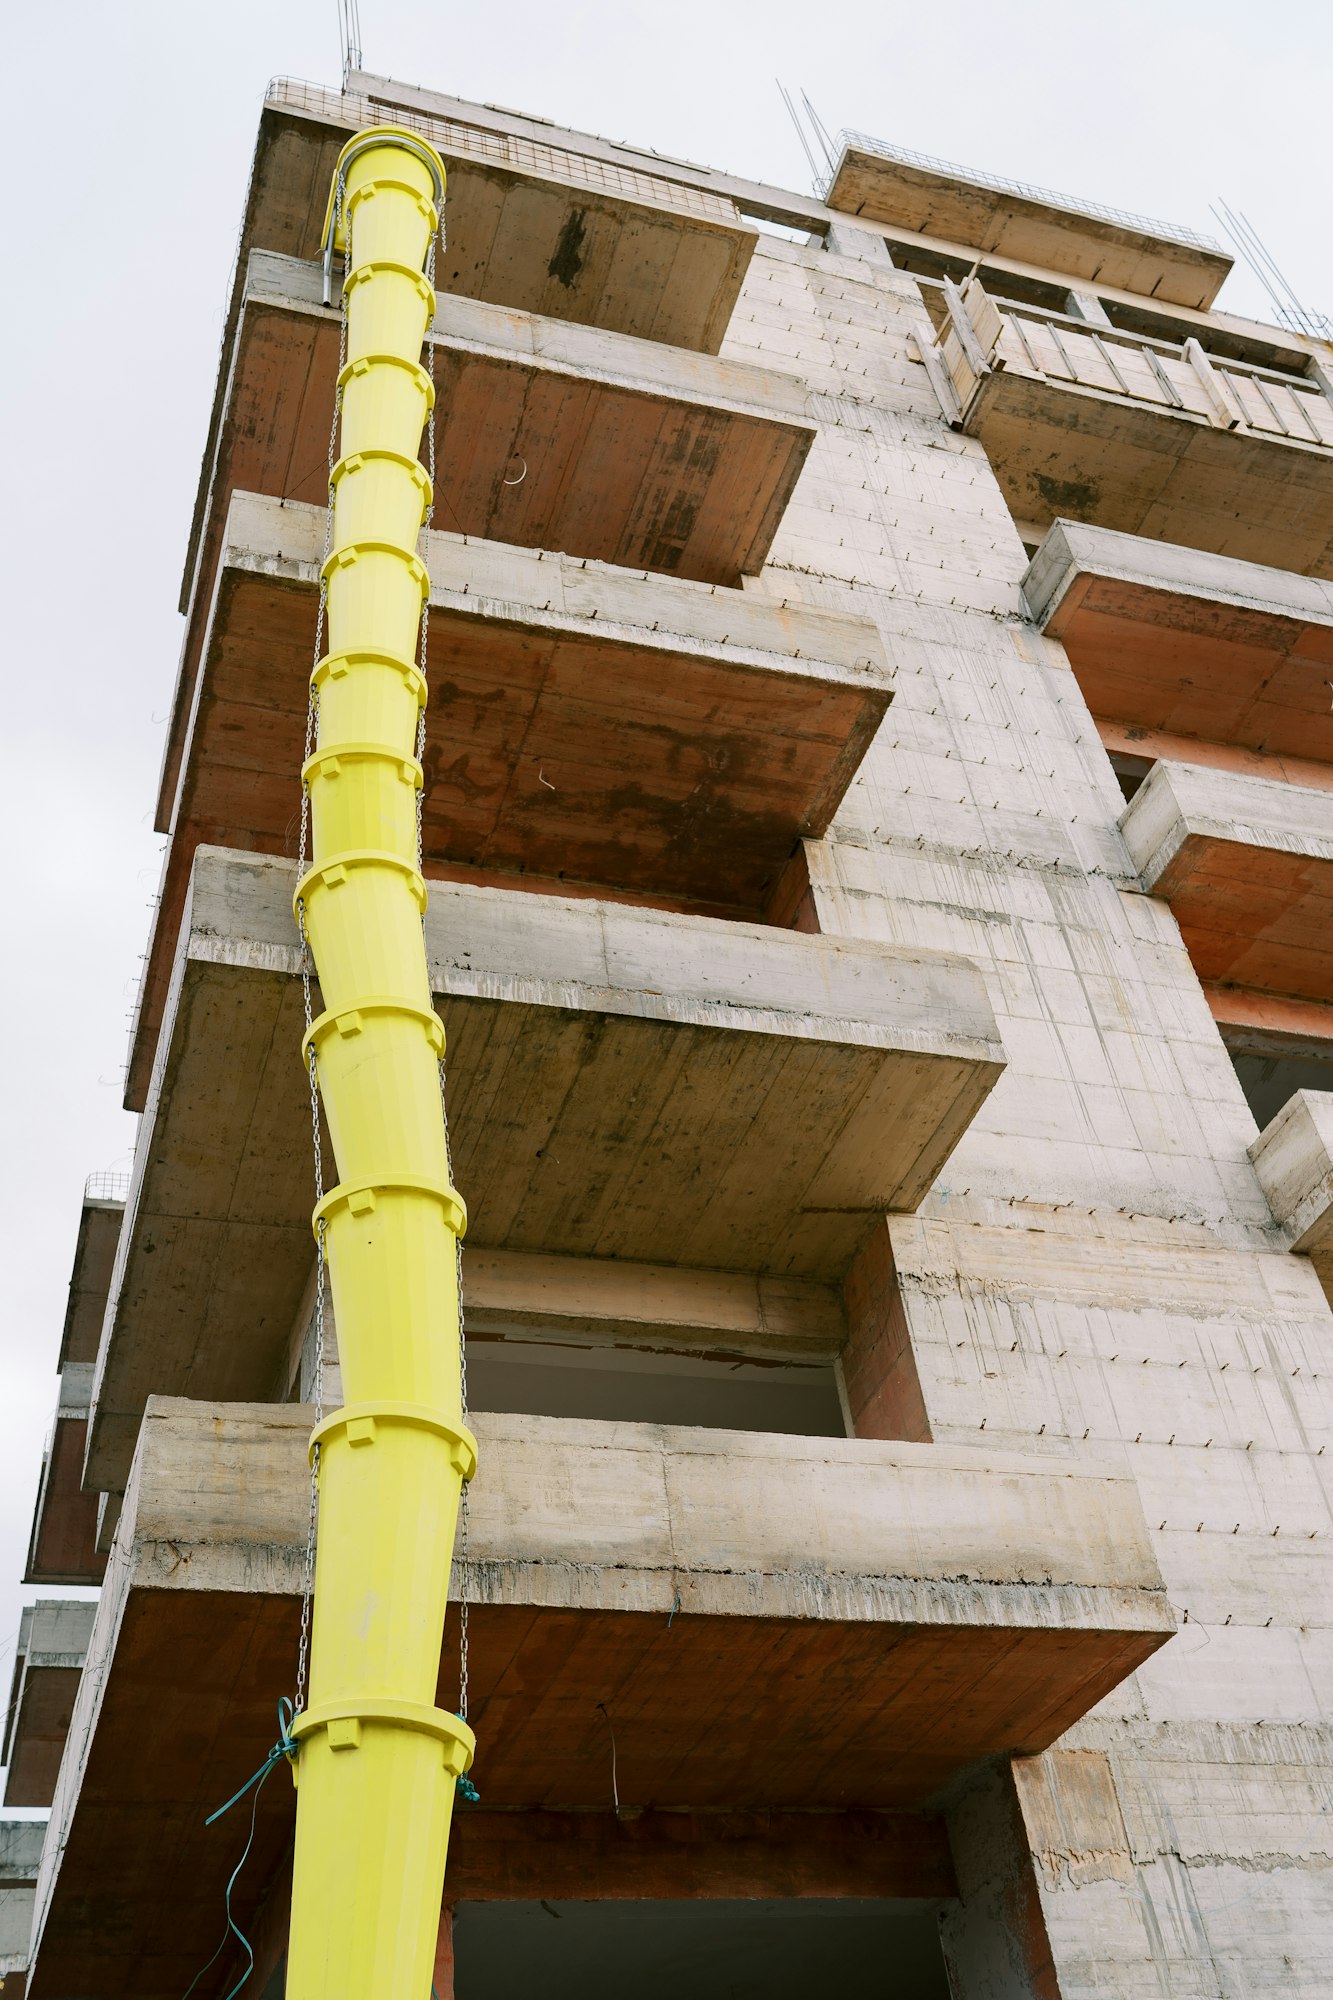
(377, 1761)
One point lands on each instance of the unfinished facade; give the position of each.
(878, 823)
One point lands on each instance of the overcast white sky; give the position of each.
(131, 127)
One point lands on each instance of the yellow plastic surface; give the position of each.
(377, 1760)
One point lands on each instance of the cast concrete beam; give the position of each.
(586, 724)
(1168, 638)
(1246, 864)
(48, 1661)
(62, 1547)
(770, 1622)
(548, 436)
(624, 1083)
(1029, 225)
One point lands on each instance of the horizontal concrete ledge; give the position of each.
(1247, 866)
(1130, 253)
(624, 1084)
(1163, 637)
(617, 728)
(52, 1644)
(541, 227)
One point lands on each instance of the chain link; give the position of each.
(463, 1606)
(307, 970)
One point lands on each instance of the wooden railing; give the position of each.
(981, 335)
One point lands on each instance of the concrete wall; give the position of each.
(1097, 1267)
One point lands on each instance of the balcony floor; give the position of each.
(624, 1084)
(858, 1622)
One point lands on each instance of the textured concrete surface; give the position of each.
(774, 1623)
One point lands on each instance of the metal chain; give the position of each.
(307, 969)
(463, 1606)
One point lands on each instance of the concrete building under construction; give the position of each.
(876, 814)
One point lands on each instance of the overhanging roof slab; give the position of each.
(1166, 637)
(854, 1624)
(1246, 864)
(624, 1083)
(544, 228)
(614, 727)
(94, 1257)
(931, 198)
(547, 436)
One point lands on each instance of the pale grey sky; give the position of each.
(131, 127)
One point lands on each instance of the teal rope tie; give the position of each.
(285, 1747)
(463, 1785)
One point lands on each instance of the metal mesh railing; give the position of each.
(106, 1187)
(452, 136)
(1175, 232)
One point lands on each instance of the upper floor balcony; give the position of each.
(50, 1650)
(546, 228)
(1131, 432)
(626, 1086)
(1087, 241)
(1168, 641)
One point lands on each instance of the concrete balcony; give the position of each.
(547, 436)
(62, 1547)
(94, 1259)
(1027, 225)
(48, 1661)
(1142, 435)
(1246, 864)
(20, 1855)
(1169, 639)
(770, 1622)
(624, 1084)
(662, 738)
(539, 227)
(1293, 1157)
